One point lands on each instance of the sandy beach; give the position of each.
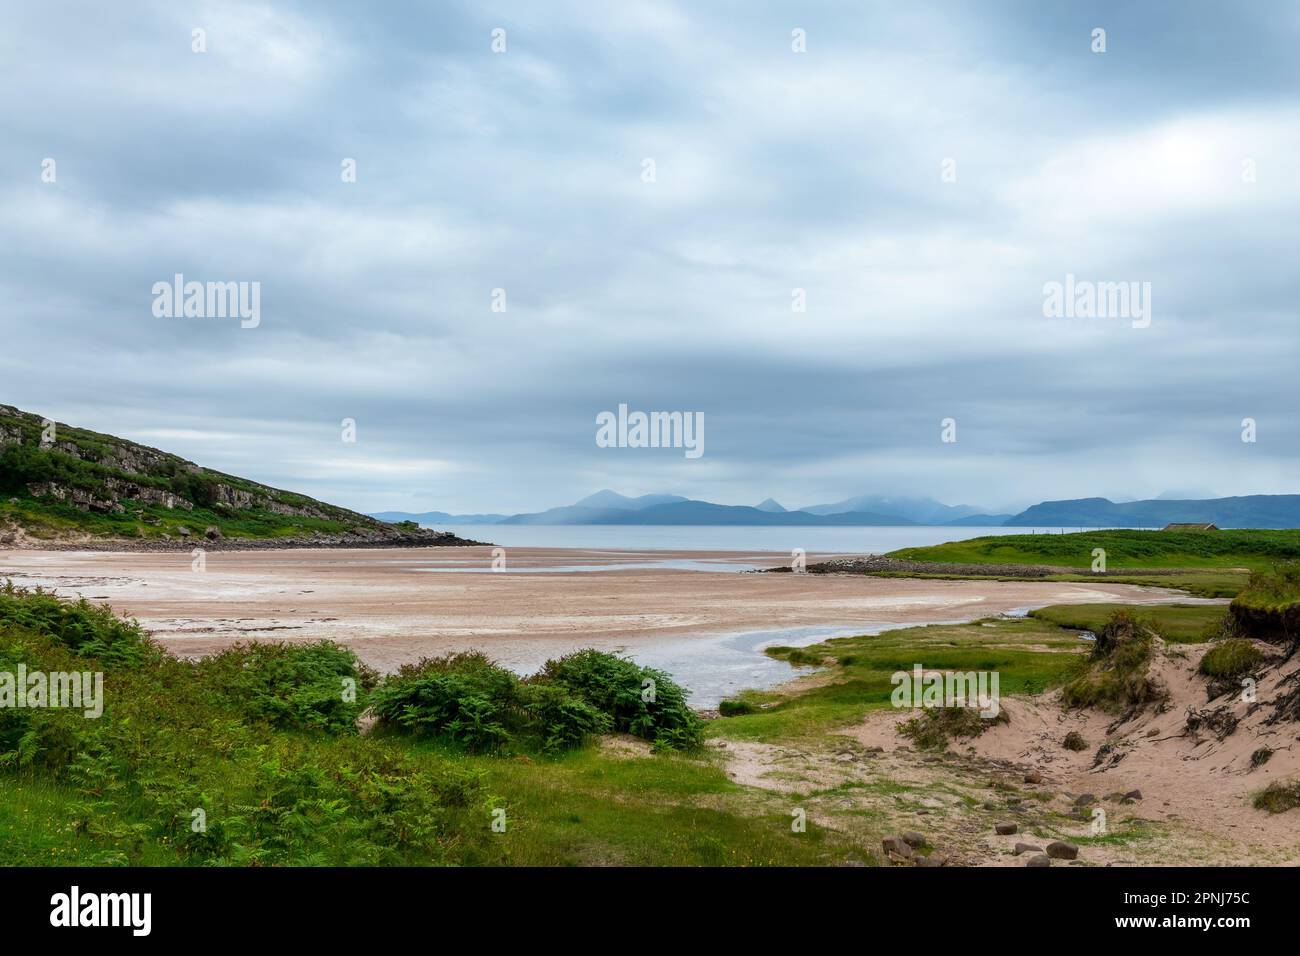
(394, 606)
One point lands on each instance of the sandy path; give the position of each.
(391, 613)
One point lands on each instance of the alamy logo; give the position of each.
(208, 300)
(651, 430)
(103, 909)
(1084, 299)
(918, 688)
(68, 690)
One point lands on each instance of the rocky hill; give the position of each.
(66, 486)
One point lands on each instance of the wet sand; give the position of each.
(391, 609)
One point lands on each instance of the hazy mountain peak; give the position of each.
(770, 504)
(609, 499)
(924, 510)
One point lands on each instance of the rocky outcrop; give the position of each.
(147, 488)
(880, 564)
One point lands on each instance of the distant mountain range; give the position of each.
(1247, 511)
(609, 507)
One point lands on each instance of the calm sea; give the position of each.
(813, 540)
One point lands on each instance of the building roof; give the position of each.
(1190, 527)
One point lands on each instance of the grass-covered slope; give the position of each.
(1245, 548)
(1268, 608)
(66, 482)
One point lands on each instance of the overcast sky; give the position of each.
(1172, 158)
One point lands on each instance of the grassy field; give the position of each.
(1177, 623)
(1030, 654)
(1207, 563)
(1223, 583)
(1244, 549)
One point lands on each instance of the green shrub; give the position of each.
(1232, 659)
(1116, 677)
(82, 627)
(641, 701)
(318, 686)
(1278, 797)
(561, 720)
(464, 698)
(470, 701)
(934, 727)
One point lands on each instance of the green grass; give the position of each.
(1209, 584)
(1176, 623)
(1030, 655)
(1231, 659)
(1273, 589)
(1247, 548)
(645, 811)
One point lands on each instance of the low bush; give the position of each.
(87, 629)
(318, 686)
(935, 727)
(474, 703)
(641, 701)
(1116, 677)
(1278, 797)
(1232, 659)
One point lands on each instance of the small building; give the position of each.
(1190, 527)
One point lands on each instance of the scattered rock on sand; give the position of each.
(914, 839)
(1006, 829)
(1033, 777)
(932, 860)
(1059, 850)
(1039, 860)
(1027, 848)
(1133, 795)
(1085, 799)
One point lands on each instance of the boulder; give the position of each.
(1039, 859)
(896, 846)
(1059, 850)
(914, 839)
(1006, 829)
(1026, 848)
